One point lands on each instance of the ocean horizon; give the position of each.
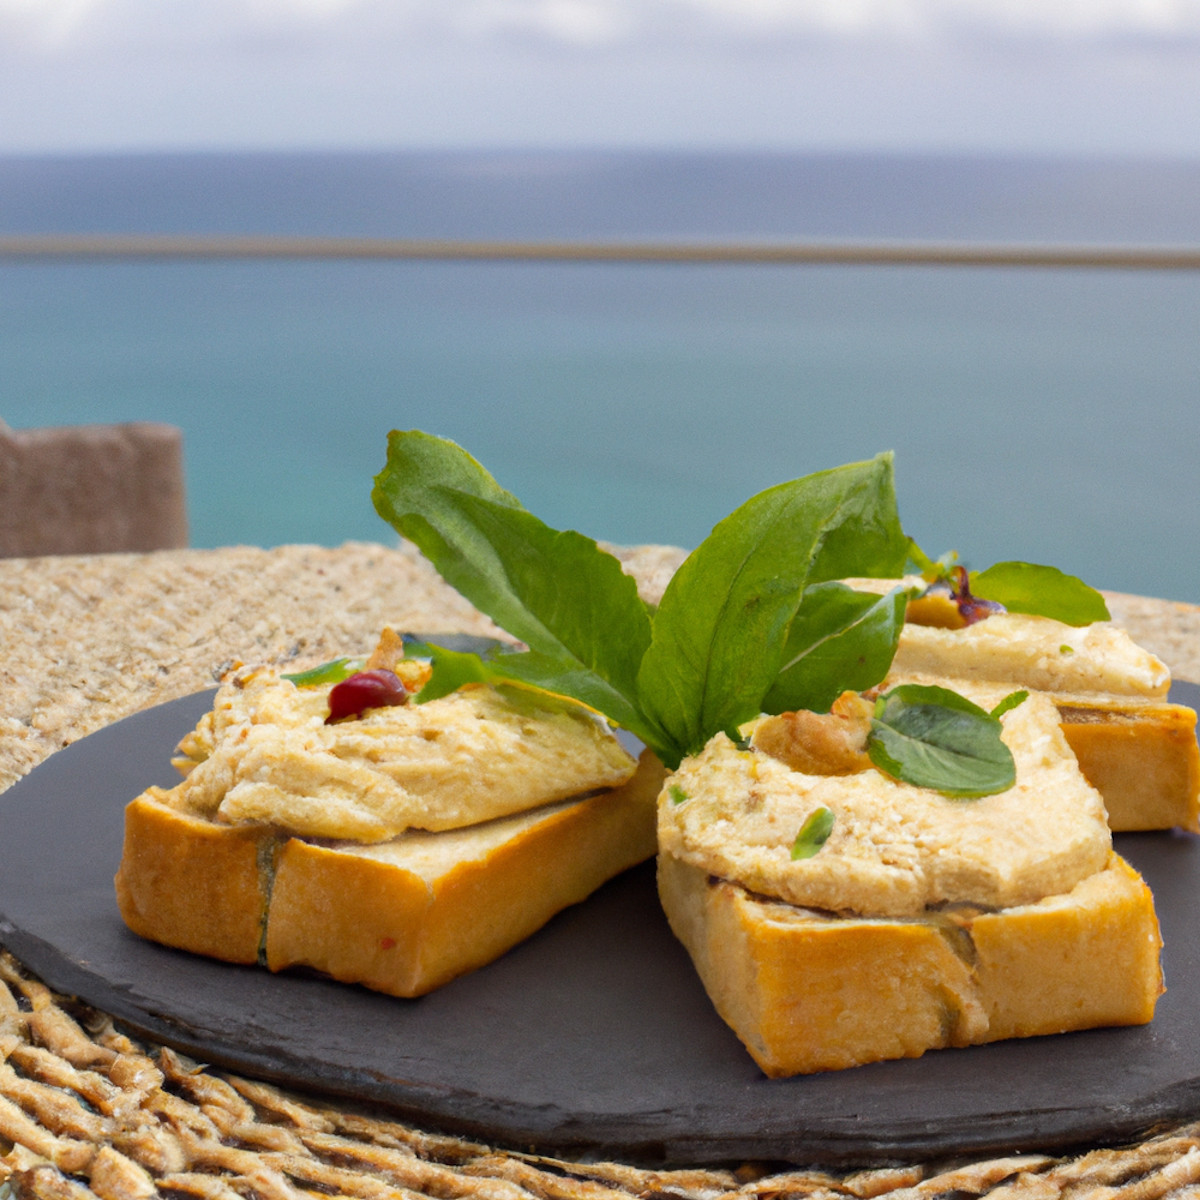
(1041, 414)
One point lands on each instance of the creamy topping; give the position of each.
(895, 849)
(1034, 652)
(266, 755)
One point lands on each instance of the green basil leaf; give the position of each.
(1043, 591)
(420, 645)
(452, 669)
(814, 833)
(1009, 703)
(722, 624)
(934, 738)
(330, 672)
(839, 639)
(556, 591)
(861, 533)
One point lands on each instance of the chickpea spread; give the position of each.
(895, 849)
(266, 754)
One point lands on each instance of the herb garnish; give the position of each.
(329, 672)
(814, 833)
(932, 737)
(700, 663)
(1043, 591)
(753, 621)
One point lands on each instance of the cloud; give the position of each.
(1091, 76)
(49, 26)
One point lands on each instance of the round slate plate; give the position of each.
(592, 1037)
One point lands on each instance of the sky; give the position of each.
(1090, 77)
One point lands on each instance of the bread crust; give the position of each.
(1143, 759)
(807, 992)
(246, 893)
(190, 883)
(402, 932)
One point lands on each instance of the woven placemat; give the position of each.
(84, 1110)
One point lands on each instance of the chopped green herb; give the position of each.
(1065, 649)
(677, 794)
(814, 833)
(330, 672)
(1010, 702)
(932, 737)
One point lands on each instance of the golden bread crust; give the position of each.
(351, 913)
(1142, 758)
(402, 930)
(191, 884)
(807, 992)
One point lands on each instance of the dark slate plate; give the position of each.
(594, 1036)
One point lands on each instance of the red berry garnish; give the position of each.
(365, 689)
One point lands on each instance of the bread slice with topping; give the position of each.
(922, 921)
(402, 916)
(397, 848)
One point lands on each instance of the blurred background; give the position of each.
(1041, 413)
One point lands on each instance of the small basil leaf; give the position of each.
(420, 645)
(1042, 591)
(840, 640)
(331, 672)
(814, 833)
(453, 669)
(934, 738)
(1010, 702)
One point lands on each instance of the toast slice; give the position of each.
(329, 823)
(921, 920)
(401, 916)
(812, 991)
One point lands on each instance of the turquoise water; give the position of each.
(1046, 415)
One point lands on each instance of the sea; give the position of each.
(1044, 414)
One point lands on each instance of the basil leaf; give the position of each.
(861, 533)
(556, 591)
(452, 669)
(330, 672)
(840, 639)
(814, 833)
(934, 738)
(1043, 591)
(721, 627)
(420, 645)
